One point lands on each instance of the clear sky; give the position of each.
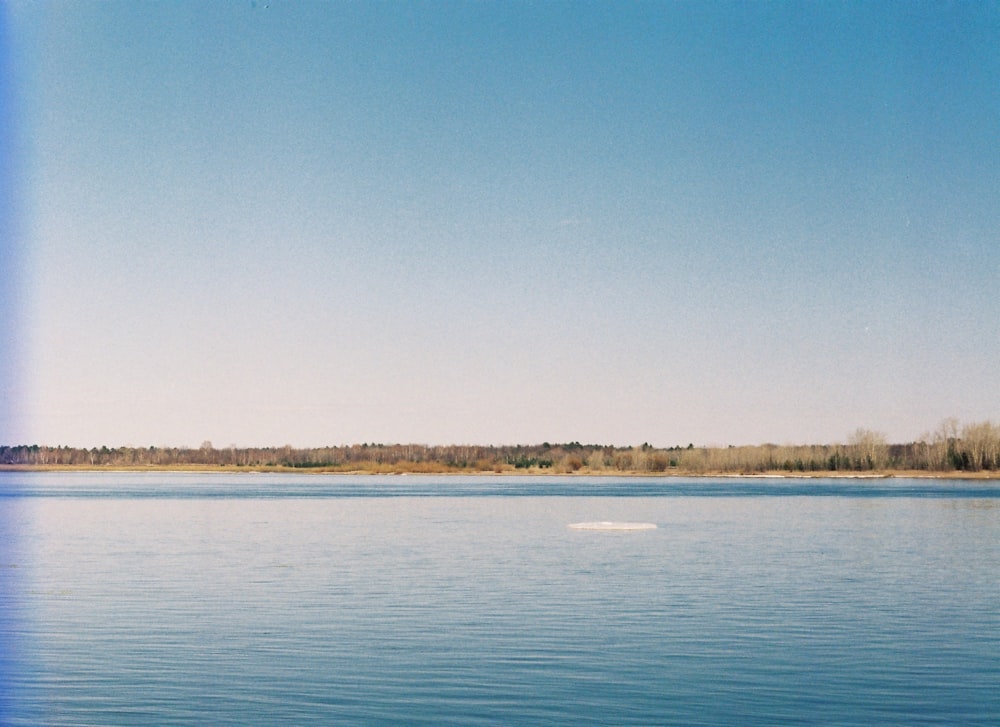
(261, 223)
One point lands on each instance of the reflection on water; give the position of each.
(208, 601)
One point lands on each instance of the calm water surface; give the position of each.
(145, 599)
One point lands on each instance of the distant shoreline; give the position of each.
(518, 472)
(966, 452)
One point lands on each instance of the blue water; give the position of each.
(173, 599)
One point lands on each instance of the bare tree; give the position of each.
(870, 449)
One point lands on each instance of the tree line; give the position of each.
(951, 447)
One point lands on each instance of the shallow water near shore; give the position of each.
(167, 598)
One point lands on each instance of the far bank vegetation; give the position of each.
(949, 448)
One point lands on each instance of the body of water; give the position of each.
(147, 599)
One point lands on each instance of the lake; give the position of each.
(191, 599)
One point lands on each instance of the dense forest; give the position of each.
(951, 447)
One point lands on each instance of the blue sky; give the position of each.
(323, 223)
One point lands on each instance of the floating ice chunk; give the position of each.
(609, 525)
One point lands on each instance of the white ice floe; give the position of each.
(609, 525)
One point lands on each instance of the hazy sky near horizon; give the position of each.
(261, 223)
